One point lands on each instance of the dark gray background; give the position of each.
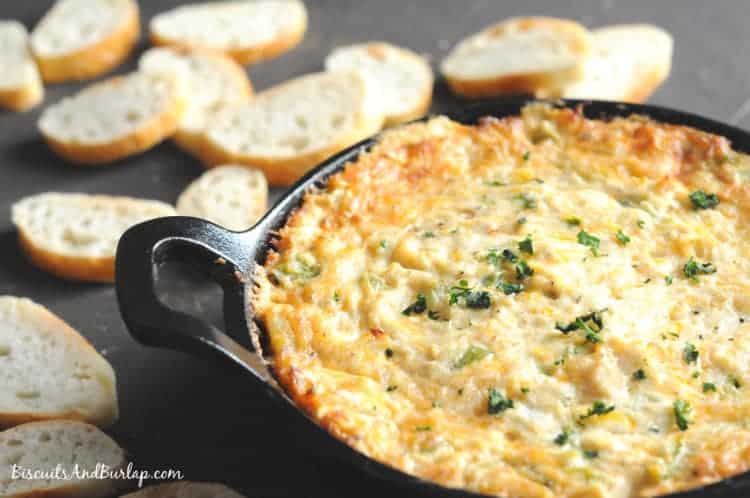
(180, 412)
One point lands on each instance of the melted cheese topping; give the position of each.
(401, 316)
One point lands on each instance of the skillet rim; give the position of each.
(594, 109)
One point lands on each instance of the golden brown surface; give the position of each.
(612, 364)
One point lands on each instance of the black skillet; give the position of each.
(229, 258)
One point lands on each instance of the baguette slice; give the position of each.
(232, 196)
(249, 31)
(629, 63)
(214, 82)
(534, 55)
(49, 371)
(290, 128)
(41, 446)
(20, 85)
(82, 39)
(401, 78)
(116, 118)
(74, 236)
(185, 489)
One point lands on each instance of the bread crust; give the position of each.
(542, 84)
(94, 60)
(285, 171)
(647, 86)
(22, 98)
(538, 84)
(83, 348)
(79, 269)
(243, 55)
(151, 133)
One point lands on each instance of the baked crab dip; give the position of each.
(540, 306)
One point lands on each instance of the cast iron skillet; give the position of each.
(229, 258)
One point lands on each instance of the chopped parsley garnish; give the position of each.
(598, 408)
(478, 300)
(389, 353)
(471, 298)
(391, 388)
(641, 224)
(735, 382)
(434, 315)
(586, 239)
(383, 244)
(668, 279)
(690, 353)
(639, 374)
(622, 238)
(693, 268)
(423, 428)
(526, 155)
(497, 403)
(521, 267)
(509, 288)
(523, 270)
(562, 438)
(495, 258)
(525, 390)
(521, 221)
(528, 201)
(509, 256)
(681, 411)
(708, 387)
(471, 355)
(572, 220)
(591, 324)
(417, 307)
(591, 454)
(526, 245)
(702, 200)
(336, 297)
(429, 235)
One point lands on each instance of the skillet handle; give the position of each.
(227, 256)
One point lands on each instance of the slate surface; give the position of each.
(183, 413)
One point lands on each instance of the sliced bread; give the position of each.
(629, 62)
(49, 371)
(58, 459)
(232, 196)
(401, 78)
(185, 489)
(290, 128)
(116, 118)
(214, 82)
(249, 31)
(82, 39)
(531, 55)
(20, 85)
(74, 236)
